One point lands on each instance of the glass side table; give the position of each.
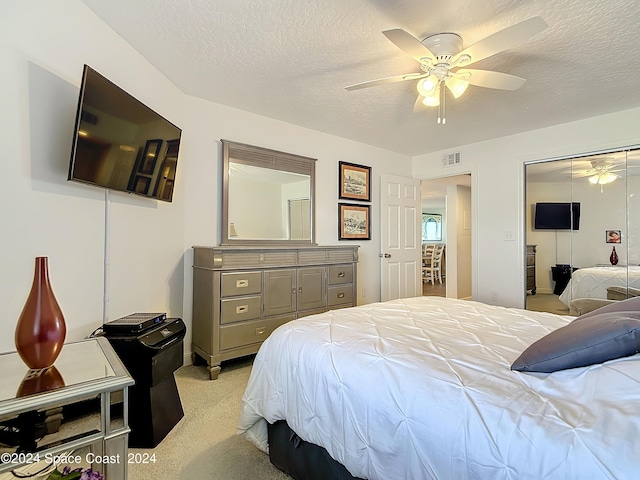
(74, 413)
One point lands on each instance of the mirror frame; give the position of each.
(233, 152)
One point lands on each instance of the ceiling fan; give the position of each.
(443, 63)
(603, 170)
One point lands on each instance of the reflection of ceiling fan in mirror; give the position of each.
(443, 63)
(603, 170)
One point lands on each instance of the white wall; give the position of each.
(497, 168)
(43, 47)
(261, 218)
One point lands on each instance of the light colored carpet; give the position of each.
(204, 444)
(546, 302)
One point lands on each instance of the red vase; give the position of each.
(614, 257)
(41, 329)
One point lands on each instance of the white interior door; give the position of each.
(400, 237)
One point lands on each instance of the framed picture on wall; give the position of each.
(354, 181)
(614, 236)
(353, 222)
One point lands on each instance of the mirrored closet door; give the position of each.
(582, 238)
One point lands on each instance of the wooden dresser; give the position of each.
(242, 293)
(531, 269)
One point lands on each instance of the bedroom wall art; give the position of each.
(614, 236)
(353, 222)
(354, 181)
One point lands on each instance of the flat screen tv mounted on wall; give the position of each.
(557, 216)
(121, 144)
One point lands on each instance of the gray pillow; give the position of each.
(629, 305)
(592, 340)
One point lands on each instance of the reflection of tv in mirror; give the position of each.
(557, 216)
(121, 144)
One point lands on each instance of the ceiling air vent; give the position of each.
(451, 159)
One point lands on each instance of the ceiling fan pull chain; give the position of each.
(443, 102)
(441, 105)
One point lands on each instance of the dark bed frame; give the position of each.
(300, 459)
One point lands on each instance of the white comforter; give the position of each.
(592, 282)
(421, 388)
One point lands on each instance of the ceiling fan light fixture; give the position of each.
(432, 100)
(428, 86)
(602, 178)
(456, 85)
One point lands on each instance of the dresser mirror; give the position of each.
(268, 196)
(575, 261)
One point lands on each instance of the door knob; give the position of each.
(385, 255)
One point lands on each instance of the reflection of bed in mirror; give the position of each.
(592, 282)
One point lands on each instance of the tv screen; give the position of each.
(121, 144)
(557, 216)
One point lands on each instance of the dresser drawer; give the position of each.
(339, 274)
(247, 333)
(239, 309)
(340, 295)
(240, 283)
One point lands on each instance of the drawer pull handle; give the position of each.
(242, 309)
(341, 295)
(242, 283)
(260, 331)
(341, 274)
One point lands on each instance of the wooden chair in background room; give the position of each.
(427, 257)
(433, 271)
(427, 252)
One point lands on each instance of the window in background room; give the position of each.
(431, 227)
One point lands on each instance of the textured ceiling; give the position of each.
(291, 59)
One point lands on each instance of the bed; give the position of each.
(592, 282)
(422, 388)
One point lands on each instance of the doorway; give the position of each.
(450, 198)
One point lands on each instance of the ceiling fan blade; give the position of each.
(490, 79)
(419, 106)
(409, 44)
(384, 81)
(502, 40)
